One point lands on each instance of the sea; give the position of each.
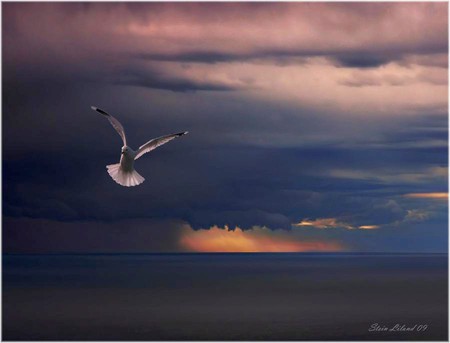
(225, 296)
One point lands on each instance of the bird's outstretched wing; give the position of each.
(156, 142)
(114, 122)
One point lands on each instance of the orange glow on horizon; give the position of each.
(369, 227)
(257, 239)
(333, 223)
(436, 195)
(325, 223)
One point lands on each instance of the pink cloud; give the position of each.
(291, 53)
(230, 28)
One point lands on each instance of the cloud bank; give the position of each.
(332, 111)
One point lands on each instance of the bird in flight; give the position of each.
(123, 173)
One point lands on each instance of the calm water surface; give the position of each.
(224, 296)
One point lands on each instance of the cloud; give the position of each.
(396, 75)
(177, 82)
(439, 60)
(435, 195)
(257, 239)
(33, 235)
(168, 36)
(390, 176)
(416, 215)
(368, 227)
(244, 219)
(389, 214)
(333, 223)
(196, 56)
(276, 135)
(362, 60)
(407, 216)
(321, 29)
(324, 223)
(286, 57)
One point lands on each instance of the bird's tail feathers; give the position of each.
(127, 179)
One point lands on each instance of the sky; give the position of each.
(313, 127)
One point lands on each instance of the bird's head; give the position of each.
(125, 150)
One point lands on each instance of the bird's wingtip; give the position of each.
(99, 110)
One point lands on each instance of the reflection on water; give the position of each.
(223, 296)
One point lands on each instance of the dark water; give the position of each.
(223, 296)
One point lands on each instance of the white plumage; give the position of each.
(123, 178)
(123, 172)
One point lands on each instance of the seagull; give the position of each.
(123, 173)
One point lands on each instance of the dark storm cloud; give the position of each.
(155, 80)
(257, 153)
(371, 58)
(202, 57)
(363, 60)
(131, 236)
(242, 187)
(244, 219)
